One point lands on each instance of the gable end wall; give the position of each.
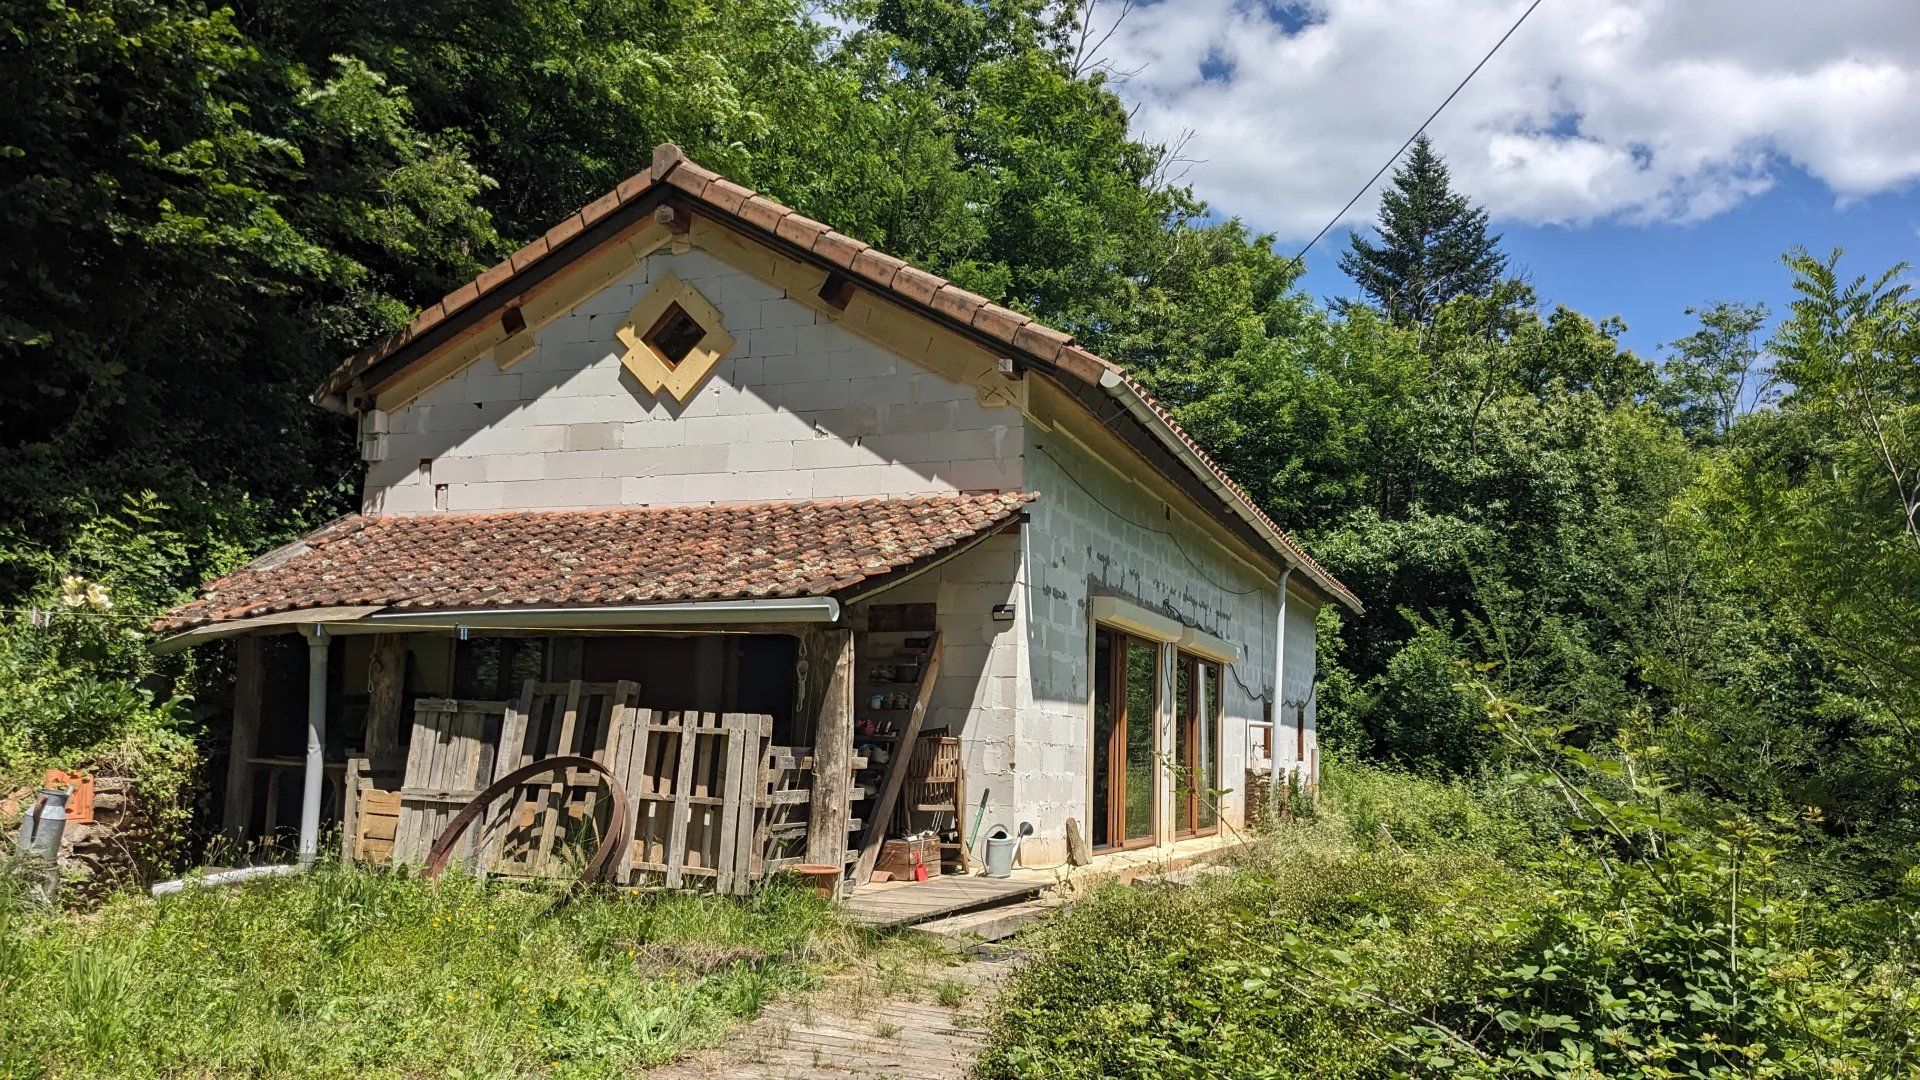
(800, 408)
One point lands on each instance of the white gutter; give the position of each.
(805, 609)
(1120, 390)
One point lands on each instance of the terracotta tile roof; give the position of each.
(587, 558)
(672, 175)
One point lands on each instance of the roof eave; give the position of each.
(1129, 396)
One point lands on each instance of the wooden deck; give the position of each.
(857, 1028)
(904, 903)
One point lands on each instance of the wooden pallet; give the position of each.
(936, 790)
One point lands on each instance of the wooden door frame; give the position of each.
(1189, 724)
(1116, 748)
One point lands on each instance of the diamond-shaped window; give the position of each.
(674, 335)
(674, 338)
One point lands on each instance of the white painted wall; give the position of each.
(799, 408)
(1096, 532)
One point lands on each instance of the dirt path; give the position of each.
(922, 1021)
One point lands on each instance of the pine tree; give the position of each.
(1433, 244)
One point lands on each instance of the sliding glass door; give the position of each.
(1196, 745)
(1126, 701)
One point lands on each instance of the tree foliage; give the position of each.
(1713, 560)
(1433, 244)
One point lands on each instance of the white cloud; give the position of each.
(1632, 110)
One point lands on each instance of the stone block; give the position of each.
(761, 486)
(982, 475)
(497, 386)
(761, 457)
(599, 436)
(898, 446)
(475, 496)
(653, 490)
(784, 313)
(459, 470)
(797, 367)
(814, 396)
(851, 421)
(769, 341)
(920, 416)
(652, 434)
(585, 491)
(516, 438)
(458, 418)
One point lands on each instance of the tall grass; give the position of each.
(349, 972)
(1420, 928)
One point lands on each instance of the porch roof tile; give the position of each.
(591, 558)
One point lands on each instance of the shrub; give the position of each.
(1635, 944)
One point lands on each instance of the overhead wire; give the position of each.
(1431, 117)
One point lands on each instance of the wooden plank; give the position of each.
(350, 810)
(731, 840)
(620, 719)
(753, 741)
(635, 750)
(606, 726)
(546, 857)
(881, 812)
(683, 781)
(698, 815)
(513, 733)
(386, 694)
(832, 749)
(247, 696)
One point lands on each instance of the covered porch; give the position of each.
(750, 734)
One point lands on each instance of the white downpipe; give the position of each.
(227, 877)
(316, 742)
(1279, 700)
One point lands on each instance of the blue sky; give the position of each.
(1639, 156)
(1649, 274)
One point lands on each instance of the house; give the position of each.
(708, 459)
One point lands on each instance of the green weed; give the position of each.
(352, 972)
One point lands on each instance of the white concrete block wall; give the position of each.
(1298, 702)
(982, 694)
(799, 408)
(1093, 532)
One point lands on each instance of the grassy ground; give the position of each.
(351, 972)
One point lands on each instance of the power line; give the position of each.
(1335, 220)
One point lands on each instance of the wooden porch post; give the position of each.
(247, 690)
(830, 666)
(386, 691)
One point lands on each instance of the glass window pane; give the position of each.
(1103, 716)
(1143, 701)
(1184, 709)
(1207, 738)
